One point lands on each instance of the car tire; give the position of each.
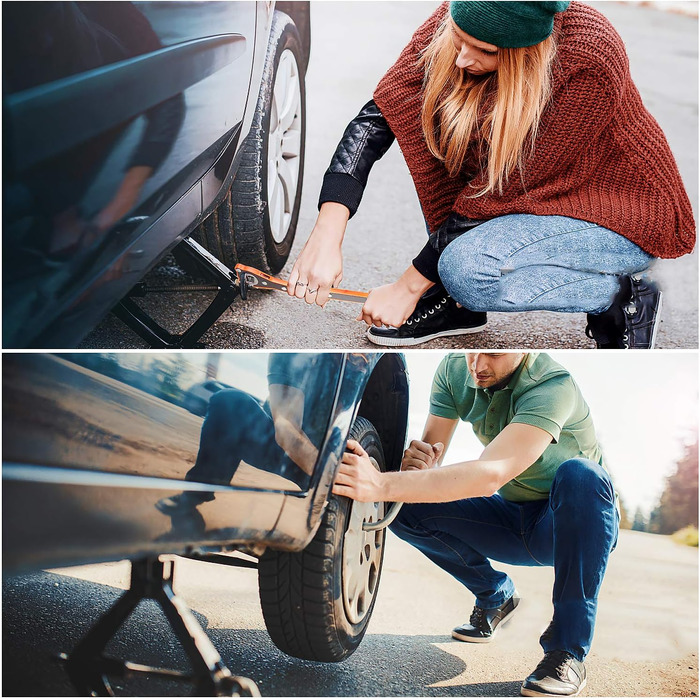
(256, 223)
(317, 603)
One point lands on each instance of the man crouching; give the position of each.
(538, 495)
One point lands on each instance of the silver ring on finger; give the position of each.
(311, 291)
(302, 284)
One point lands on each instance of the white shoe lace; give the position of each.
(417, 318)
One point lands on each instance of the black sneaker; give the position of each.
(559, 674)
(633, 319)
(436, 315)
(483, 622)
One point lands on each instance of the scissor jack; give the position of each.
(88, 667)
(227, 283)
(223, 281)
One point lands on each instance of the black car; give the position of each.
(101, 462)
(128, 126)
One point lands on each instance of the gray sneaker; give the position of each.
(558, 675)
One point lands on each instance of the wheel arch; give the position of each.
(372, 388)
(385, 404)
(300, 12)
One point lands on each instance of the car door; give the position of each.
(113, 111)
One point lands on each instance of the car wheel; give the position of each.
(317, 603)
(256, 222)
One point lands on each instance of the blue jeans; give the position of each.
(574, 530)
(239, 427)
(523, 262)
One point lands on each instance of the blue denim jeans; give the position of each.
(239, 427)
(523, 262)
(574, 531)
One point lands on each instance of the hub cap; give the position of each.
(362, 555)
(284, 145)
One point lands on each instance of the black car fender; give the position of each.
(371, 385)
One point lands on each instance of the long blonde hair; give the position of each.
(501, 109)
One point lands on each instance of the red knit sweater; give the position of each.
(599, 155)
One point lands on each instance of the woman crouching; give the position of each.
(544, 182)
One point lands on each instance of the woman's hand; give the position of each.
(358, 478)
(392, 304)
(320, 263)
(388, 305)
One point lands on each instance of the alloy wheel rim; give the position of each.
(284, 145)
(362, 556)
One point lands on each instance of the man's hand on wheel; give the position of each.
(358, 478)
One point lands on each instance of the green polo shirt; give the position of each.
(540, 393)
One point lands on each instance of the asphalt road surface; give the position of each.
(646, 640)
(352, 47)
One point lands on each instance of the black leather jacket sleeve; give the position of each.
(365, 140)
(426, 262)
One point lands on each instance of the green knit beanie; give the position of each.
(506, 23)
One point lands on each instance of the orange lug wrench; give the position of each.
(249, 277)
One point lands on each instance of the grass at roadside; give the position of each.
(688, 536)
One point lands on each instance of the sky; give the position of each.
(644, 406)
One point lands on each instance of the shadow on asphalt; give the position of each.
(384, 665)
(45, 614)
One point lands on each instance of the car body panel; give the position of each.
(89, 451)
(48, 120)
(85, 519)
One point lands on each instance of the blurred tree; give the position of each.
(640, 521)
(678, 505)
(625, 522)
(168, 373)
(654, 520)
(106, 363)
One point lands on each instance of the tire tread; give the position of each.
(296, 588)
(237, 231)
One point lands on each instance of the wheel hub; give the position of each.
(284, 145)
